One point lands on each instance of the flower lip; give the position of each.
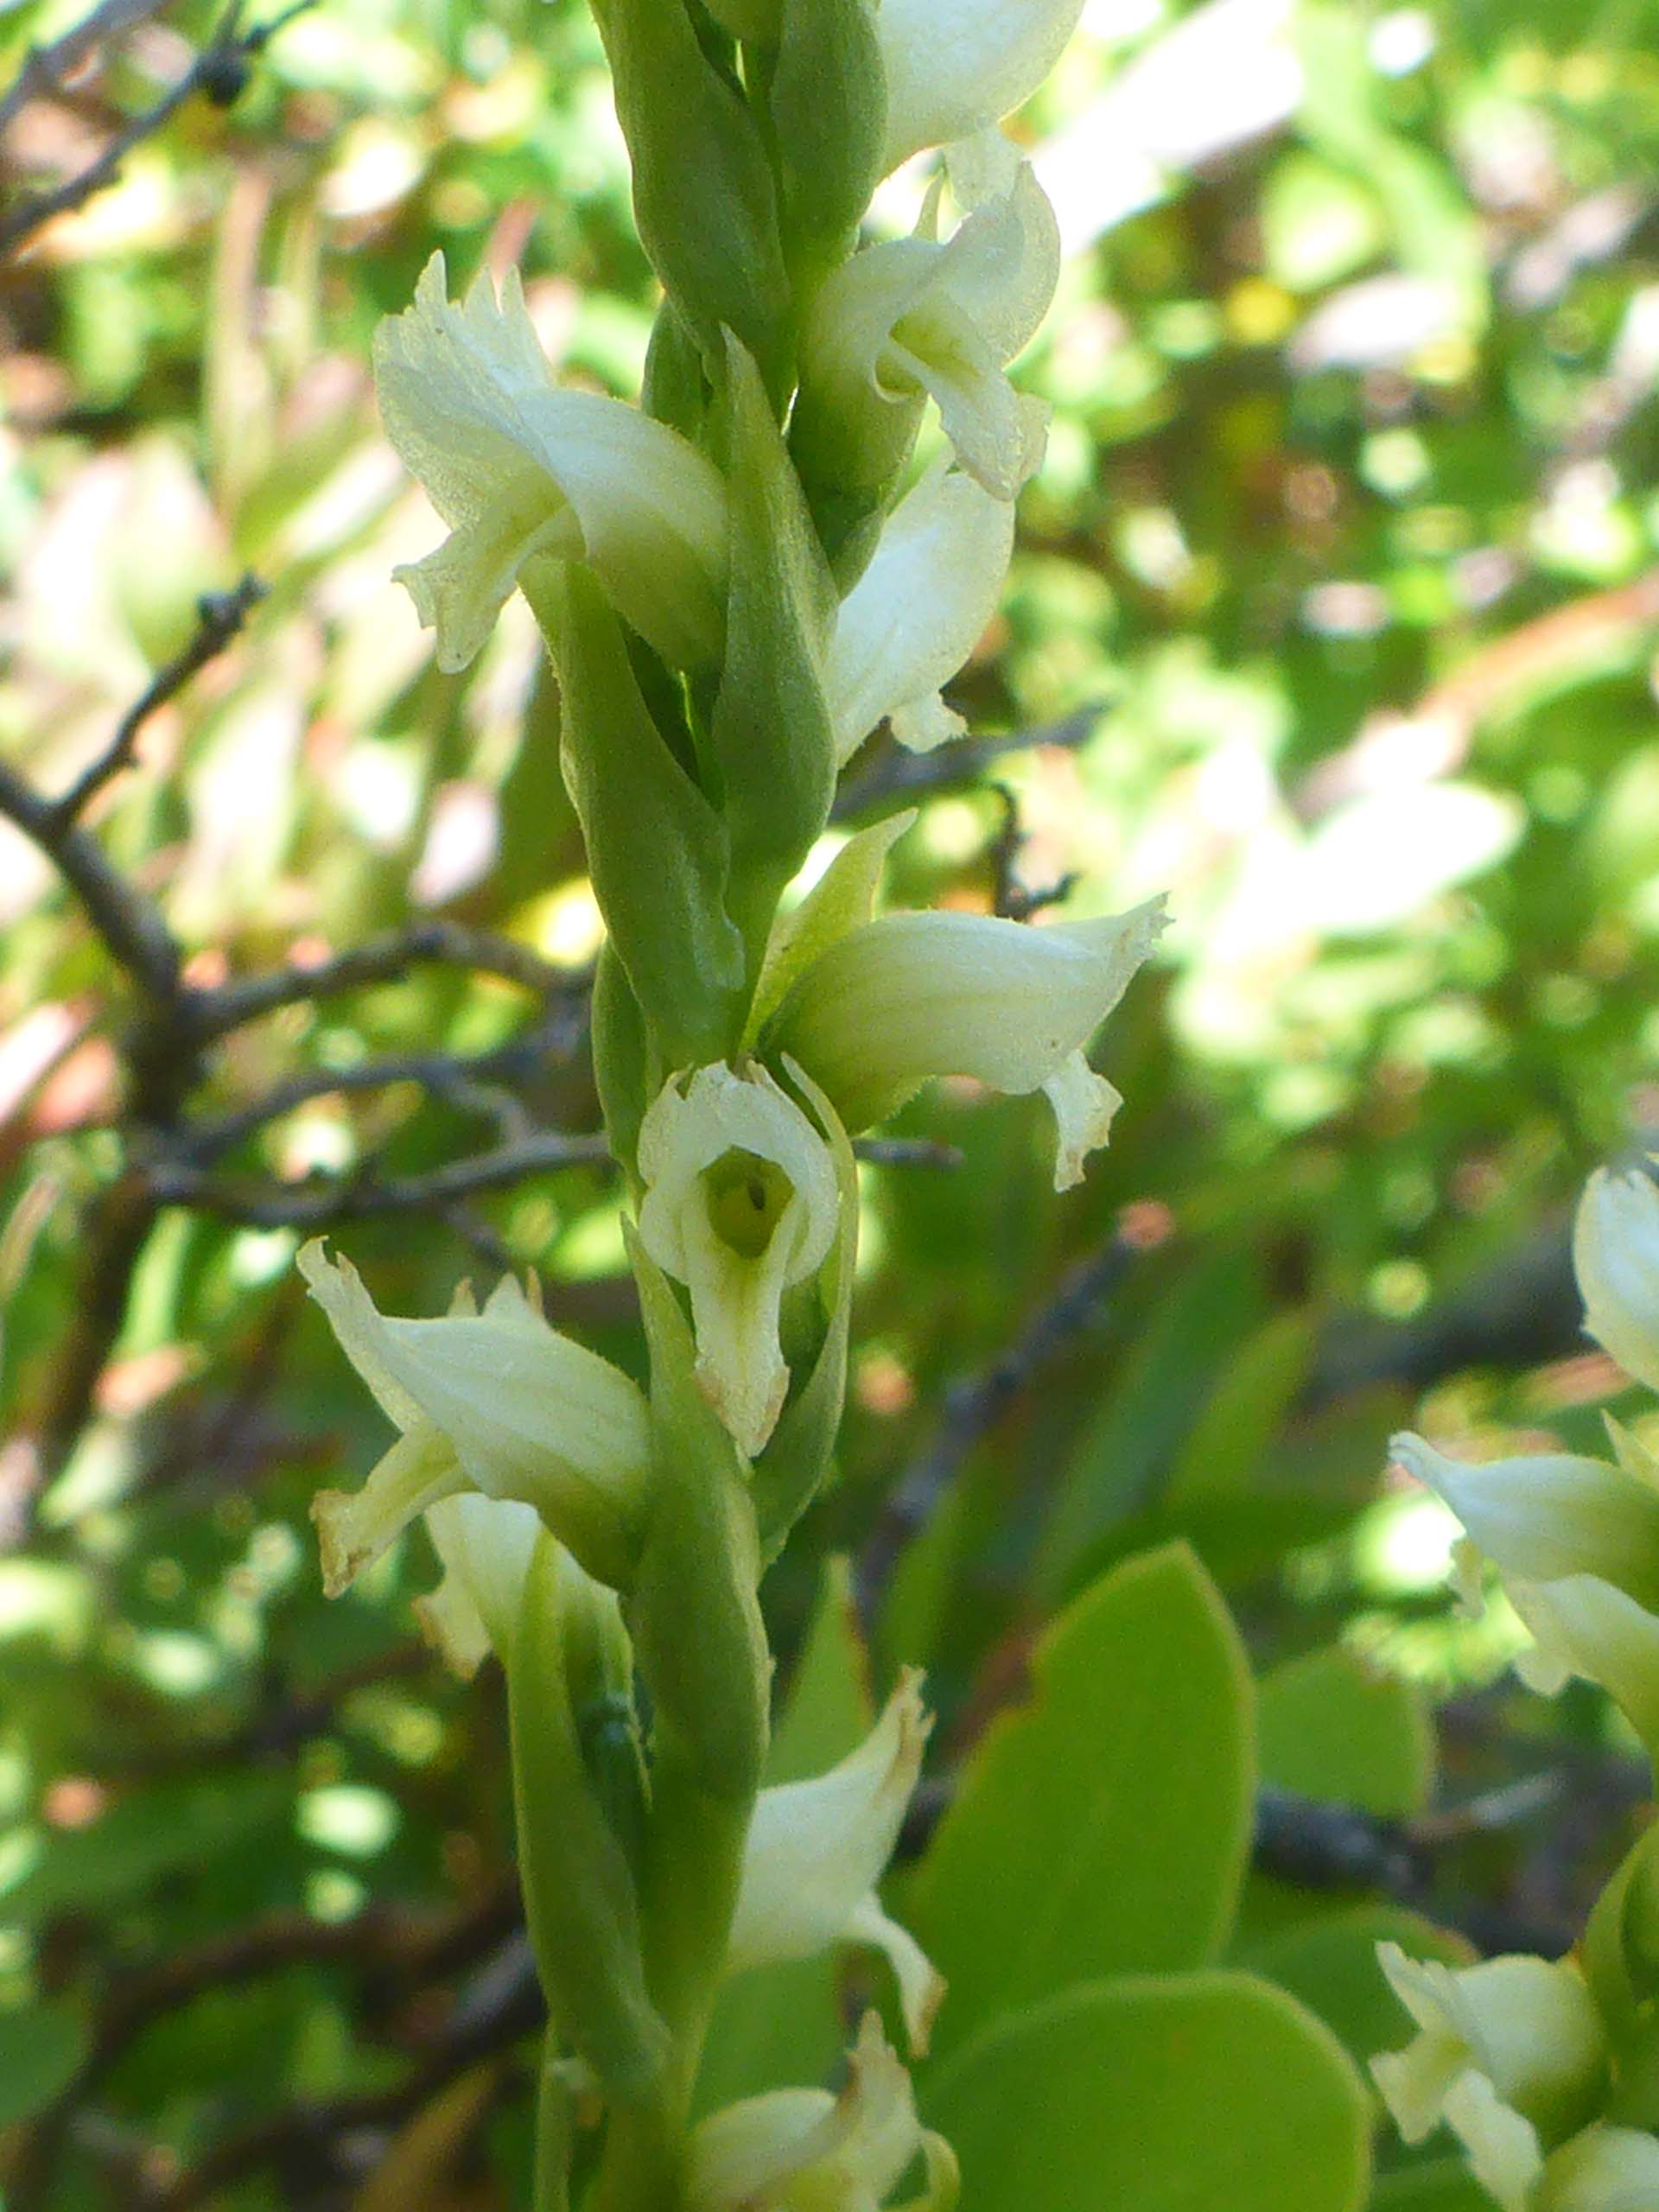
(740, 1203)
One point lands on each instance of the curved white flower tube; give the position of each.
(955, 65)
(1616, 1258)
(495, 1402)
(517, 467)
(918, 612)
(817, 1849)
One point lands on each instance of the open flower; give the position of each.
(918, 612)
(496, 1401)
(955, 65)
(1577, 1543)
(740, 1202)
(516, 467)
(922, 316)
(1509, 2053)
(910, 996)
(816, 1850)
(1616, 1258)
(804, 2150)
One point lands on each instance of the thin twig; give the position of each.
(975, 1404)
(220, 616)
(45, 67)
(277, 1207)
(898, 774)
(218, 71)
(448, 1074)
(134, 934)
(383, 960)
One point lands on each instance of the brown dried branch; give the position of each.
(219, 71)
(46, 67)
(973, 1405)
(897, 775)
(220, 617)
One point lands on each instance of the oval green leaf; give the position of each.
(1189, 2094)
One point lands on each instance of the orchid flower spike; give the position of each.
(816, 1850)
(1510, 2053)
(740, 1202)
(914, 996)
(918, 612)
(516, 467)
(954, 66)
(495, 1402)
(804, 2150)
(921, 316)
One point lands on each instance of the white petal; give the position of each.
(1616, 1257)
(1084, 1105)
(921, 1985)
(355, 1527)
(801, 2148)
(527, 1413)
(817, 1849)
(918, 610)
(1503, 2148)
(1545, 1517)
(919, 995)
(1584, 1626)
(955, 65)
(485, 1547)
(736, 1293)
(1603, 2170)
(516, 466)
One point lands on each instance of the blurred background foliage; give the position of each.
(1336, 614)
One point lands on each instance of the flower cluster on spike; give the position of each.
(738, 582)
(1546, 2071)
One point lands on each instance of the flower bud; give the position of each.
(918, 316)
(804, 2150)
(1616, 1258)
(496, 1401)
(816, 1850)
(1603, 2170)
(740, 1202)
(955, 65)
(1510, 2053)
(918, 612)
(910, 996)
(517, 467)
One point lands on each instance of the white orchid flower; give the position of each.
(918, 612)
(485, 1546)
(516, 467)
(817, 1849)
(495, 1402)
(1510, 2053)
(1577, 1543)
(1616, 1257)
(740, 1202)
(804, 2150)
(910, 996)
(916, 315)
(954, 66)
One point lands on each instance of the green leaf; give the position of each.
(1330, 1727)
(1102, 1828)
(1209, 2093)
(1329, 1963)
(829, 1709)
(829, 103)
(157, 1832)
(40, 2052)
(1257, 1389)
(1442, 2186)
